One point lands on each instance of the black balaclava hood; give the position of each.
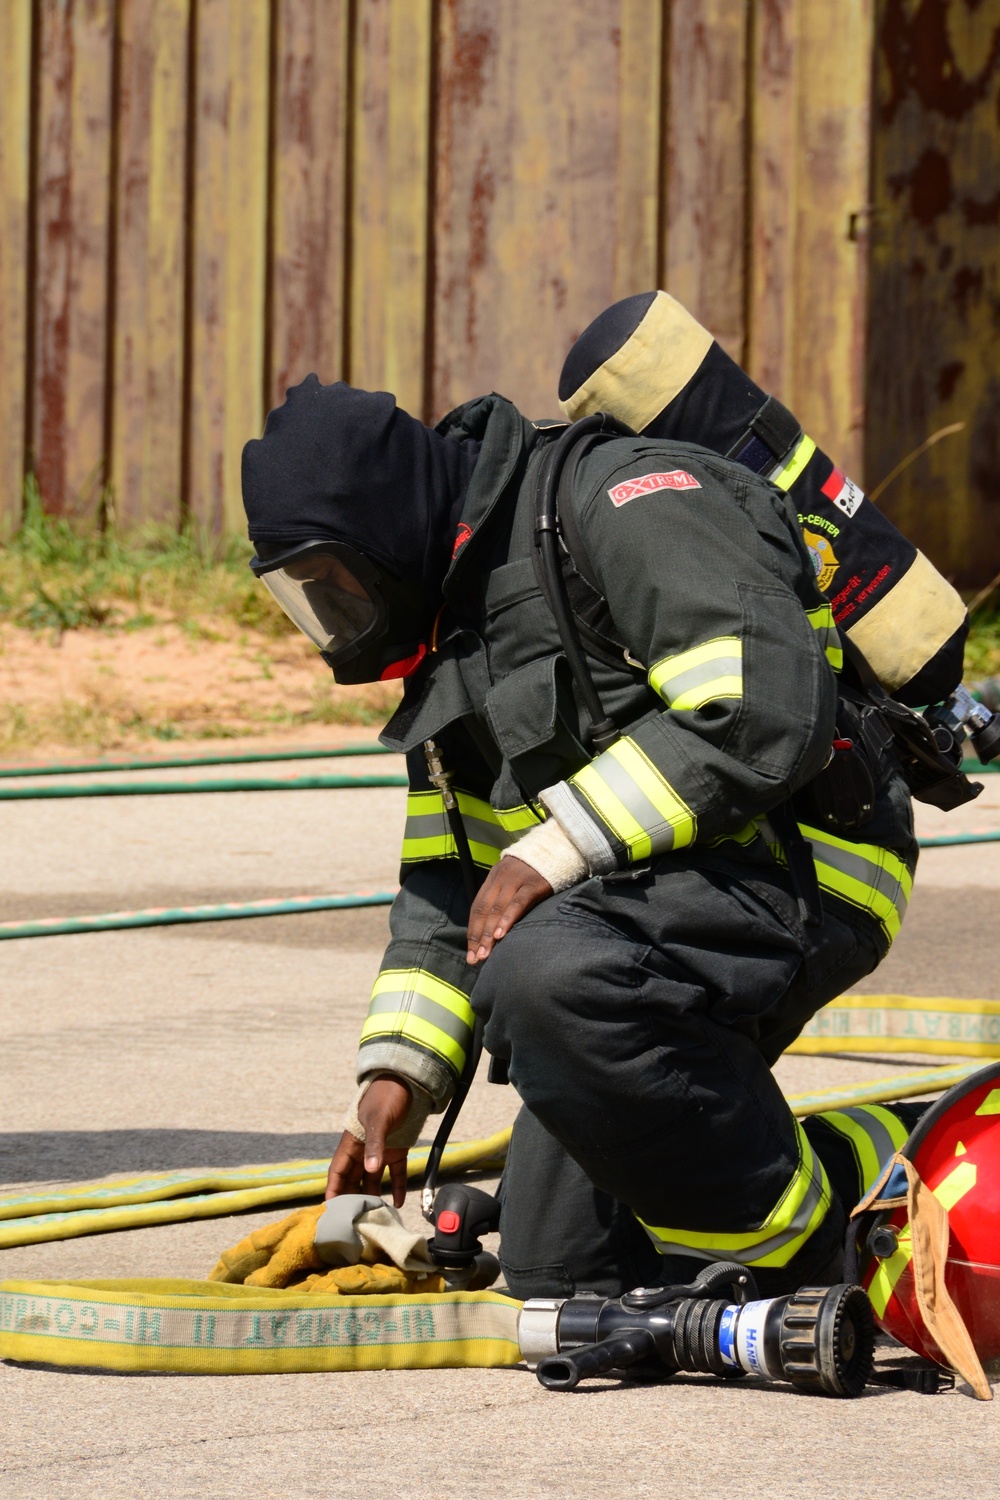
(350, 466)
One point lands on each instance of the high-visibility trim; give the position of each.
(874, 879)
(517, 820)
(871, 878)
(800, 1210)
(428, 835)
(785, 476)
(875, 1134)
(636, 801)
(948, 1192)
(696, 677)
(821, 620)
(412, 1005)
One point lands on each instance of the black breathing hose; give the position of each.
(472, 879)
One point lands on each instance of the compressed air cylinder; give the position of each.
(649, 363)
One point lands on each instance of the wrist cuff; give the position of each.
(405, 1134)
(550, 851)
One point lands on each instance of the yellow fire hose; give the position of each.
(209, 1327)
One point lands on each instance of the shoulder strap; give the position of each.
(556, 472)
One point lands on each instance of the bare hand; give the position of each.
(357, 1166)
(509, 890)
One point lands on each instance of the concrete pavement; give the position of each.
(233, 1043)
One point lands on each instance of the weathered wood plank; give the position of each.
(525, 216)
(390, 174)
(831, 162)
(15, 97)
(638, 172)
(935, 278)
(71, 331)
(773, 179)
(309, 207)
(706, 164)
(228, 261)
(147, 397)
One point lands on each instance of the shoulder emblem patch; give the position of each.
(824, 559)
(646, 484)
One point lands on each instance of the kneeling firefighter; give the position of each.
(690, 825)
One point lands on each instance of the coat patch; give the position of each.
(843, 492)
(677, 479)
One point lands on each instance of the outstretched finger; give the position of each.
(397, 1177)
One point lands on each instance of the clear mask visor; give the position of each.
(324, 599)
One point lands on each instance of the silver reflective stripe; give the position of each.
(857, 867)
(432, 825)
(579, 827)
(883, 1144)
(634, 800)
(696, 677)
(394, 1002)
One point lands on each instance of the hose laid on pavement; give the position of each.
(179, 763)
(173, 1198)
(224, 784)
(167, 916)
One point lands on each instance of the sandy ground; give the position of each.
(233, 1043)
(91, 689)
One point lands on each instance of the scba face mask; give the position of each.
(367, 625)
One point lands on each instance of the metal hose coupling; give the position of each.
(820, 1339)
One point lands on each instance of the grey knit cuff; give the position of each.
(578, 827)
(406, 1134)
(550, 851)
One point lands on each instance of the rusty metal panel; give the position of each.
(73, 206)
(147, 393)
(15, 103)
(390, 174)
(229, 226)
(705, 208)
(529, 208)
(934, 350)
(308, 208)
(809, 187)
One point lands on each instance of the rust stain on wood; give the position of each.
(15, 97)
(935, 304)
(309, 208)
(147, 412)
(73, 199)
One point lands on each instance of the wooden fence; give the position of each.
(203, 200)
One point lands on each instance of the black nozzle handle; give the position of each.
(563, 1372)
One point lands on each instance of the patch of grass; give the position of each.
(982, 649)
(57, 576)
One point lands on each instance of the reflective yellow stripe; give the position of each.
(874, 879)
(636, 801)
(517, 819)
(954, 1187)
(875, 1135)
(416, 1006)
(821, 620)
(800, 1210)
(696, 677)
(786, 476)
(428, 834)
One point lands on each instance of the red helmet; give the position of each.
(934, 1240)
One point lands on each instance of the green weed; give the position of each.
(56, 575)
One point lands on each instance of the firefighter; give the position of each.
(650, 933)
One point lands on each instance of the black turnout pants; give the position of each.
(639, 1017)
